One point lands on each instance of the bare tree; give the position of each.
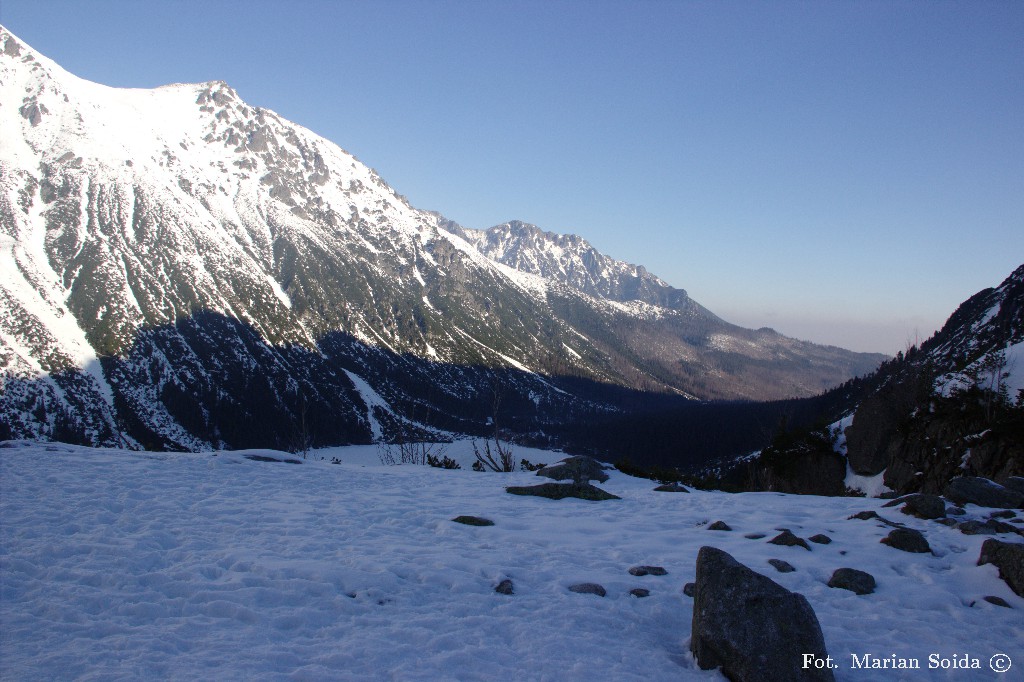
(302, 434)
(500, 458)
(404, 449)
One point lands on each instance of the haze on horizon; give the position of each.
(843, 173)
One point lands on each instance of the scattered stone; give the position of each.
(989, 527)
(558, 491)
(505, 587)
(853, 580)
(755, 536)
(750, 626)
(647, 570)
(473, 521)
(983, 492)
(907, 540)
(689, 588)
(896, 502)
(267, 458)
(787, 539)
(578, 469)
(924, 506)
(640, 592)
(1003, 514)
(820, 539)
(955, 511)
(588, 588)
(719, 525)
(946, 522)
(998, 601)
(781, 566)
(1008, 557)
(864, 516)
(671, 488)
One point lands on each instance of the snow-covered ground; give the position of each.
(132, 565)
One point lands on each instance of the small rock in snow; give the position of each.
(588, 588)
(647, 570)
(781, 566)
(787, 539)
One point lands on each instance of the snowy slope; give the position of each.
(123, 565)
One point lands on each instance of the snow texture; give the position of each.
(130, 565)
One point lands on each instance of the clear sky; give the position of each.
(845, 172)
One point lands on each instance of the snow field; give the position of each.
(129, 565)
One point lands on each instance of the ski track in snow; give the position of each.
(128, 565)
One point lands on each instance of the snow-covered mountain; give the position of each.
(574, 261)
(183, 270)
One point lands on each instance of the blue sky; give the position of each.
(845, 172)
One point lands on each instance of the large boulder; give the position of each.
(578, 469)
(853, 580)
(752, 627)
(923, 506)
(1008, 557)
(908, 540)
(983, 492)
(559, 491)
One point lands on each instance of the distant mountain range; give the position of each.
(181, 270)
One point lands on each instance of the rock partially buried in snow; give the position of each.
(640, 592)
(908, 540)
(505, 587)
(719, 525)
(671, 488)
(689, 588)
(987, 527)
(983, 492)
(559, 491)
(588, 588)
(924, 506)
(647, 570)
(1008, 557)
(473, 521)
(858, 582)
(787, 539)
(820, 539)
(750, 626)
(579, 469)
(781, 566)
(998, 601)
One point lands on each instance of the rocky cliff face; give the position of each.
(183, 270)
(950, 408)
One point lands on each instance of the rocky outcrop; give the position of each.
(1009, 559)
(983, 492)
(750, 626)
(871, 438)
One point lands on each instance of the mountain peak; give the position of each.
(184, 270)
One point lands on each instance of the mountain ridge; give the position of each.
(147, 219)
